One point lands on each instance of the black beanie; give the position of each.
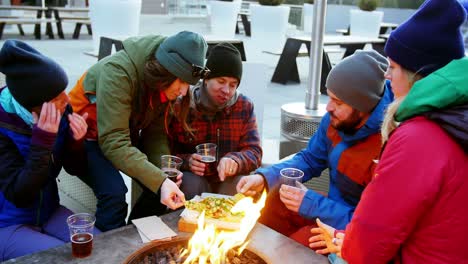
(31, 77)
(224, 60)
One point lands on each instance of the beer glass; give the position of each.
(171, 166)
(289, 176)
(81, 228)
(207, 151)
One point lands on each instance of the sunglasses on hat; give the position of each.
(200, 72)
(197, 70)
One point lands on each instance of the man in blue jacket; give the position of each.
(347, 143)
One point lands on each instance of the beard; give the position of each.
(349, 125)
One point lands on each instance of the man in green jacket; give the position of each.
(127, 96)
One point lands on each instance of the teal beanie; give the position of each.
(178, 52)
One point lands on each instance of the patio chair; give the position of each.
(79, 197)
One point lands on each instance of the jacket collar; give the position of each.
(13, 122)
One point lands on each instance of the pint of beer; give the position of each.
(171, 166)
(207, 151)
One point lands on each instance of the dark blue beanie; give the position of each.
(430, 38)
(31, 77)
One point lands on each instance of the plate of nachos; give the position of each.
(217, 209)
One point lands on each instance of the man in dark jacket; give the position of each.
(38, 135)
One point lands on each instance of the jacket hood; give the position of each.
(454, 121)
(139, 49)
(375, 120)
(443, 89)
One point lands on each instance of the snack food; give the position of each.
(216, 207)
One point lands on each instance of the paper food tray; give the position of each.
(191, 216)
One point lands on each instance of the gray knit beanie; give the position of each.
(358, 80)
(179, 52)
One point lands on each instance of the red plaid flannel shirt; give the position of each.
(234, 130)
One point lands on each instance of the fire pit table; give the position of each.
(116, 245)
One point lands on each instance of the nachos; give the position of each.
(217, 207)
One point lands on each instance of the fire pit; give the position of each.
(210, 244)
(170, 252)
(252, 243)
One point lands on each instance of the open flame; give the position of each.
(209, 245)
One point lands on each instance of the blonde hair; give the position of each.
(389, 124)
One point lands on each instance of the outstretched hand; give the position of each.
(49, 118)
(251, 185)
(227, 167)
(171, 196)
(324, 236)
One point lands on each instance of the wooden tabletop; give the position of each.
(69, 9)
(341, 40)
(388, 25)
(18, 7)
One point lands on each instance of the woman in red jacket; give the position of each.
(411, 211)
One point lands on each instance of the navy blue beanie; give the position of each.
(430, 38)
(31, 77)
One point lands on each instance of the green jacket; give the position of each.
(426, 95)
(115, 79)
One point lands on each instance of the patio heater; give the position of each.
(299, 121)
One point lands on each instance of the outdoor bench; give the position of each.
(22, 21)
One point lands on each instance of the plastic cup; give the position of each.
(289, 176)
(81, 228)
(171, 166)
(207, 151)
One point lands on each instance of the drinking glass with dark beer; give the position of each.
(171, 166)
(81, 228)
(207, 151)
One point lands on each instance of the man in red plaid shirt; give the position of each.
(221, 115)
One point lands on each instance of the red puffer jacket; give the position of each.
(414, 210)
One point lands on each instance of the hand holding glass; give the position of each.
(171, 166)
(207, 151)
(289, 176)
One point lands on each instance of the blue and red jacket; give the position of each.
(30, 161)
(350, 160)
